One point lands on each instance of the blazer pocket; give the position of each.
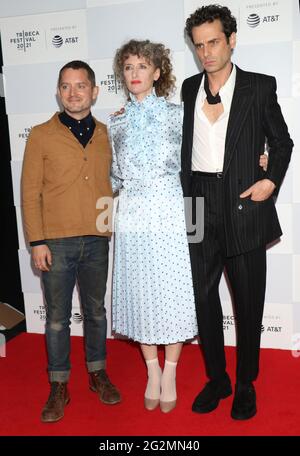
(247, 205)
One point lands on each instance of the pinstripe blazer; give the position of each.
(255, 116)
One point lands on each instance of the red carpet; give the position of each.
(24, 389)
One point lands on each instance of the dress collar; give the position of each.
(148, 101)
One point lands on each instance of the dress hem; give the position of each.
(160, 342)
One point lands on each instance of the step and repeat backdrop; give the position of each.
(38, 38)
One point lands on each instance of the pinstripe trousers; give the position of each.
(246, 275)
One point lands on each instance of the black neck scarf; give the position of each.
(211, 99)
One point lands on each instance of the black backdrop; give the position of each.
(10, 283)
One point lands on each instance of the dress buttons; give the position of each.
(240, 207)
(86, 178)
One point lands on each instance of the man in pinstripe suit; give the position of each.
(228, 116)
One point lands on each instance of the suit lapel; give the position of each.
(240, 105)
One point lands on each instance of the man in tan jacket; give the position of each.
(66, 177)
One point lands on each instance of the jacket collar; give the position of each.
(241, 102)
(55, 126)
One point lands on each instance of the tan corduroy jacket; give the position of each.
(62, 182)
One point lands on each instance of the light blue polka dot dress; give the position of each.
(153, 299)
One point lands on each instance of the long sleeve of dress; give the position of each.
(115, 174)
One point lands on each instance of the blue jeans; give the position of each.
(83, 259)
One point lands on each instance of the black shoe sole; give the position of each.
(213, 405)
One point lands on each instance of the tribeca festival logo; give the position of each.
(64, 35)
(24, 133)
(40, 312)
(228, 322)
(2, 346)
(25, 39)
(111, 83)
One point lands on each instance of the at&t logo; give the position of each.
(57, 41)
(253, 20)
(77, 318)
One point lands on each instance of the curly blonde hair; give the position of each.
(155, 53)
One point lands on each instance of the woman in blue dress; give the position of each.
(153, 300)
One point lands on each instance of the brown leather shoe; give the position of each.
(58, 399)
(107, 392)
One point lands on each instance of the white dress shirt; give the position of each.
(209, 138)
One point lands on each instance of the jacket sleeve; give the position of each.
(31, 187)
(279, 141)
